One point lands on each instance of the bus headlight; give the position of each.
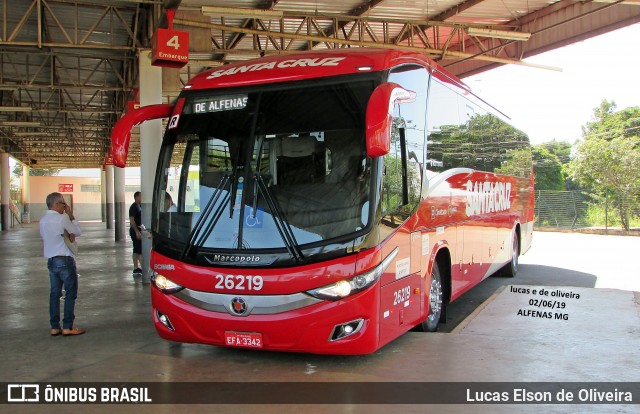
(164, 284)
(334, 291)
(344, 288)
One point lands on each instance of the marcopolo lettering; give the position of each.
(291, 63)
(235, 258)
(487, 197)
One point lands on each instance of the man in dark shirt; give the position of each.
(135, 222)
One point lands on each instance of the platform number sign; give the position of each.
(174, 42)
(170, 48)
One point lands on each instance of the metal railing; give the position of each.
(618, 209)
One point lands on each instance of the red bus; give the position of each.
(328, 202)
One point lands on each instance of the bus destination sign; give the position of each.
(223, 103)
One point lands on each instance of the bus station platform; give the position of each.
(521, 333)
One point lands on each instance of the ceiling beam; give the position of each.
(557, 25)
(41, 14)
(357, 43)
(444, 16)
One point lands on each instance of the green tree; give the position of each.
(518, 163)
(35, 172)
(609, 123)
(561, 149)
(483, 143)
(547, 169)
(606, 161)
(546, 166)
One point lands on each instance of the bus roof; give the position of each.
(309, 65)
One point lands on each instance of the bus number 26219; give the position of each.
(239, 282)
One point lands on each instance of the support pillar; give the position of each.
(109, 190)
(150, 141)
(5, 191)
(119, 204)
(26, 195)
(103, 193)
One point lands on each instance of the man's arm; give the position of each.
(71, 225)
(132, 223)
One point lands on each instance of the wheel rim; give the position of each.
(435, 300)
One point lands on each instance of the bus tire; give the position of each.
(511, 268)
(436, 302)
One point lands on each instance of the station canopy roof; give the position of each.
(69, 67)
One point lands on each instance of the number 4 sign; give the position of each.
(170, 48)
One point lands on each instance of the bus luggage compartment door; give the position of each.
(399, 307)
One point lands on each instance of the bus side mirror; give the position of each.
(121, 132)
(380, 114)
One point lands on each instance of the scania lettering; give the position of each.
(159, 266)
(328, 201)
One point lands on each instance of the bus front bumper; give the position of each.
(346, 327)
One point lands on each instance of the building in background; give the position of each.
(82, 193)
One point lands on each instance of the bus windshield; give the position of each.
(266, 168)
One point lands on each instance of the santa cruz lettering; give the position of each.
(487, 197)
(292, 63)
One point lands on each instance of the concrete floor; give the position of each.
(599, 342)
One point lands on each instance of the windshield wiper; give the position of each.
(281, 224)
(255, 181)
(195, 237)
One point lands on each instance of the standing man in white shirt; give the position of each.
(61, 263)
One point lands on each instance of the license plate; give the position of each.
(243, 339)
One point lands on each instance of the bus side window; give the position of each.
(404, 164)
(471, 136)
(446, 147)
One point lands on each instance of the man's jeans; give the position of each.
(62, 272)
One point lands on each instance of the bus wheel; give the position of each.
(436, 305)
(511, 268)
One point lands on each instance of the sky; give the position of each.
(548, 104)
(555, 105)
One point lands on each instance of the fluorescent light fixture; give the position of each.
(239, 12)
(85, 128)
(498, 34)
(8, 88)
(32, 134)
(239, 57)
(15, 109)
(21, 123)
(205, 63)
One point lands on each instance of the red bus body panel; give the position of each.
(310, 65)
(305, 330)
(121, 132)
